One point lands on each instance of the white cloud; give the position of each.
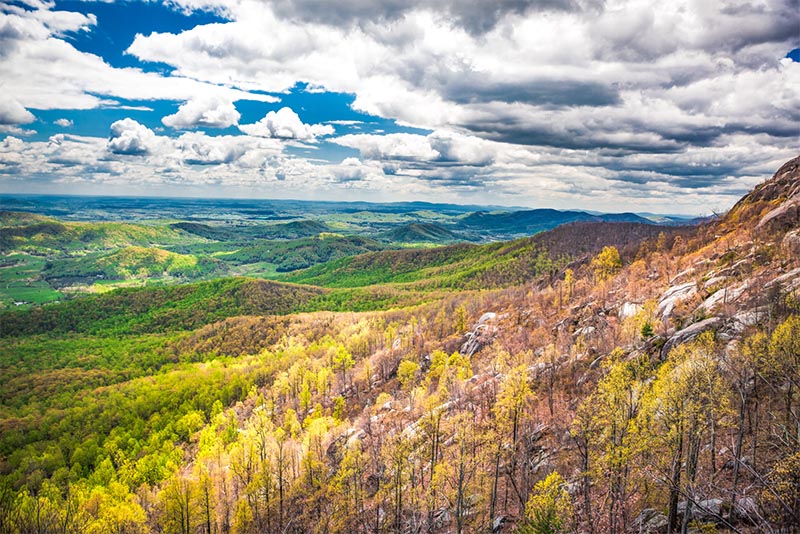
(43, 71)
(12, 112)
(574, 66)
(137, 157)
(400, 146)
(64, 123)
(211, 112)
(131, 138)
(441, 147)
(464, 149)
(115, 105)
(286, 124)
(197, 148)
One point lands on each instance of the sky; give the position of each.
(618, 105)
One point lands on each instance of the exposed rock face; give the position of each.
(672, 296)
(787, 215)
(708, 511)
(724, 296)
(787, 281)
(629, 309)
(481, 334)
(689, 333)
(779, 197)
(791, 244)
(746, 509)
(650, 522)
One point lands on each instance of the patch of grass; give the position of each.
(20, 282)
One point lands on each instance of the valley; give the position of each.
(198, 366)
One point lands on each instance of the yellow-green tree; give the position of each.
(782, 495)
(607, 263)
(457, 477)
(514, 397)
(569, 284)
(784, 352)
(406, 373)
(348, 490)
(180, 516)
(549, 508)
(343, 362)
(681, 411)
(615, 407)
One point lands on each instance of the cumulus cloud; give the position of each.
(286, 124)
(572, 79)
(399, 146)
(64, 123)
(44, 71)
(211, 112)
(131, 138)
(195, 148)
(12, 112)
(10, 153)
(440, 147)
(475, 16)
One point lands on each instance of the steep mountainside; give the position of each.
(489, 265)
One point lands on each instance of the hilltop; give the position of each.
(421, 233)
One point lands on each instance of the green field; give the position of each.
(20, 281)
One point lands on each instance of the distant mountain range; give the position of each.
(539, 220)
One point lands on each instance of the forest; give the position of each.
(598, 377)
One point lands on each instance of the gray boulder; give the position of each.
(650, 522)
(689, 333)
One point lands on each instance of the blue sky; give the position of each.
(612, 106)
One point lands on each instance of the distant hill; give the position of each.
(420, 233)
(538, 220)
(34, 232)
(22, 218)
(206, 231)
(490, 265)
(129, 263)
(583, 238)
(289, 230)
(302, 253)
(159, 309)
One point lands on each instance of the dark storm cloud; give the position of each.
(605, 131)
(476, 89)
(475, 16)
(730, 29)
(519, 132)
(455, 178)
(684, 175)
(480, 16)
(681, 171)
(774, 23)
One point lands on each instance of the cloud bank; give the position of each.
(565, 103)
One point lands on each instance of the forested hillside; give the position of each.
(599, 377)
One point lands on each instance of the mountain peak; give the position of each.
(774, 204)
